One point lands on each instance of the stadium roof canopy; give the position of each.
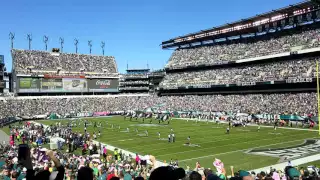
(285, 12)
(138, 69)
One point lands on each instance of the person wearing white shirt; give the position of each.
(173, 138)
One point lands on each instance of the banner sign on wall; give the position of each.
(105, 113)
(56, 85)
(28, 85)
(51, 85)
(74, 85)
(103, 85)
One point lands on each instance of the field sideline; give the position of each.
(212, 139)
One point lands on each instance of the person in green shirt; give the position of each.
(22, 174)
(127, 176)
(6, 174)
(95, 171)
(103, 176)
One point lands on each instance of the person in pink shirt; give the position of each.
(275, 176)
(137, 159)
(11, 142)
(104, 152)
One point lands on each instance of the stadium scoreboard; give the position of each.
(66, 84)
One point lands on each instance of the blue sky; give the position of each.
(132, 30)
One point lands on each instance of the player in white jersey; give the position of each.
(159, 135)
(128, 130)
(188, 139)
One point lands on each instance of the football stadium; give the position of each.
(236, 101)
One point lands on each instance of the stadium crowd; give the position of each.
(283, 70)
(65, 73)
(135, 76)
(95, 162)
(133, 82)
(42, 60)
(300, 103)
(221, 54)
(134, 88)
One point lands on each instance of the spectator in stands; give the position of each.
(46, 61)
(273, 71)
(222, 53)
(297, 103)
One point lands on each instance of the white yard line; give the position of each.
(230, 152)
(295, 162)
(203, 120)
(193, 139)
(250, 142)
(240, 150)
(126, 140)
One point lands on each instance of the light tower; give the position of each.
(61, 40)
(45, 40)
(90, 45)
(76, 42)
(103, 44)
(11, 37)
(29, 37)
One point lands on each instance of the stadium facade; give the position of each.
(140, 81)
(135, 80)
(262, 54)
(54, 73)
(264, 64)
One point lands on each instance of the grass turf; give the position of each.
(212, 139)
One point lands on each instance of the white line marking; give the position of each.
(126, 140)
(223, 122)
(223, 145)
(230, 152)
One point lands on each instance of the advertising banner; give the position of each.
(26, 85)
(103, 85)
(51, 85)
(101, 113)
(74, 85)
(84, 114)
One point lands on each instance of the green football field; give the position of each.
(211, 138)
